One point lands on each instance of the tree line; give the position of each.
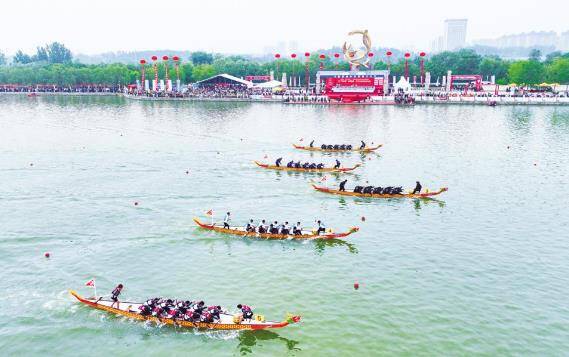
(53, 64)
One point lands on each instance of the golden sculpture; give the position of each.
(358, 56)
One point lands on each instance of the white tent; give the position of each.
(269, 84)
(403, 84)
(224, 78)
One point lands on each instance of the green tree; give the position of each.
(58, 53)
(526, 72)
(22, 58)
(558, 71)
(493, 65)
(535, 55)
(203, 71)
(41, 55)
(2, 59)
(201, 58)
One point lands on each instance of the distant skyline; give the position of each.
(254, 26)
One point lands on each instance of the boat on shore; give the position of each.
(364, 150)
(226, 321)
(299, 169)
(375, 195)
(306, 234)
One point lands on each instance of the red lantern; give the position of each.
(370, 54)
(176, 58)
(422, 54)
(142, 61)
(277, 55)
(154, 58)
(165, 58)
(389, 53)
(293, 55)
(336, 55)
(306, 54)
(407, 55)
(322, 56)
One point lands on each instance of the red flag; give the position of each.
(90, 283)
(209, 213)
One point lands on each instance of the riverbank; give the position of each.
(385, 100)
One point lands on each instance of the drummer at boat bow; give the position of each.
(278, 162)
(226, 220)
(312, 144)
(337, 166)
(247, 311)
(363, 145)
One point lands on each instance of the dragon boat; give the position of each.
(366, 149)
(306, 234)
(226, 321)
(427, 194)
(300, 169)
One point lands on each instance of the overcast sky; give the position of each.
(250, 26)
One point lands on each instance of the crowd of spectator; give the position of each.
(17, 88)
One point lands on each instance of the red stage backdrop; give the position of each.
(354, 88)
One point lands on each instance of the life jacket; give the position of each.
(207, 317)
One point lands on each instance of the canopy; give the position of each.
(402, 84)
(224, 78)
(269, 84)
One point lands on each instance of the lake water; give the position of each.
(482, 270)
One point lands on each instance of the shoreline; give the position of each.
(459, 100)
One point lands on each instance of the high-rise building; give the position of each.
(455, 34)
(563, 44)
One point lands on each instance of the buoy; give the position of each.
(47, 255)
(356, 285)
(508, 146)
(363, 218)
(369, 159)
(136, 203)
(266, 156)
(31, 164)
(534, 164)
(187, 172)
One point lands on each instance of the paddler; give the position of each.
(226, 220)
(247, 311)
(363, 145)
(297, 229)
(418, 188)
(337, 166)
(115, 295)
(250, 226)
(278, 162)
(312, 144)
(262, 227)
(343, 185)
